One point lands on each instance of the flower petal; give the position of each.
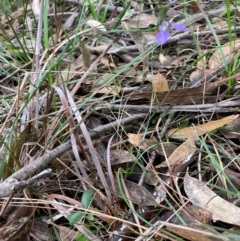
(178, 26)
(161, 37)
(163, 26)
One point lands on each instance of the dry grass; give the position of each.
(107, 135)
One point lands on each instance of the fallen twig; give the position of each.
(8, 186)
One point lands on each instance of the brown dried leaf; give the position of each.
(138, 194)
(180, 96)
(165, 60)
(66, 233)
(201, 129)
(176, 61)
(196, 234)
(160, 83)
(196, 75)
(160, 192)
(194, 7)
(228, 50)
(202, 63)
(134, 139)
(139, 78)
(110, 61)
(191, 215)
(120, 156)
(18, 224)
(17, 230)
(151, 178)
(40, 229)
(69, 21)
(200, 195)
(182, 154)
(107, 90)
(148, 144)
(96, 25)
(131, 73)
(200, 214)
(142, 21)
(86, 56)
(232, 129)
(82, 60)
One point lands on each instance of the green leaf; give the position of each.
(81, 237)
(90, 217)
(86, 198)
(75, 217)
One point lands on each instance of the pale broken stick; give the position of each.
(12, 185)
(18, 179)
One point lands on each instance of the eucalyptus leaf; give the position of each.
(86, 198)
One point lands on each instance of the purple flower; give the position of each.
(164, 28)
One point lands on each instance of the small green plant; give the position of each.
(86, 201)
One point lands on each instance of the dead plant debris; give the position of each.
(119, 120)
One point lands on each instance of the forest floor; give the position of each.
(119, 120)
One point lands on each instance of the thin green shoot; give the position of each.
(92, 9)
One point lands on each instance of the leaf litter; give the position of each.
(110, 100)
